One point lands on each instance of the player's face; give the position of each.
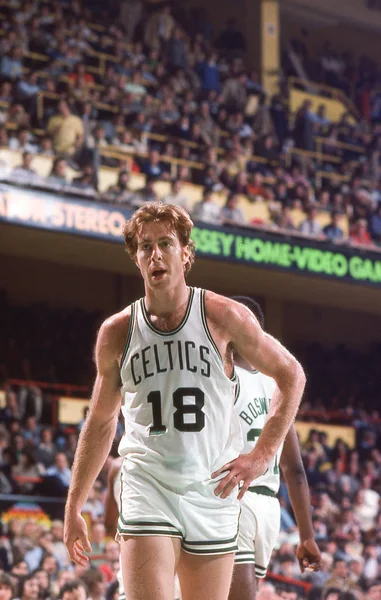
(160, 256)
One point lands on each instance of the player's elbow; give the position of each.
(294, 472)
(292, 375)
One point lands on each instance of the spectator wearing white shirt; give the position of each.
(207, 210)
(23, 142)
(311, 225)
(231, 214)
(177, 197)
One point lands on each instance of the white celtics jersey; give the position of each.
(252, 405)
(178, 404)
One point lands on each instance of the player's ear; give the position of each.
(185, 254)
(136, 262)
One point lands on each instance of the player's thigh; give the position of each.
(244, 584)
(205, 577)
(148, 566)
(268, 527)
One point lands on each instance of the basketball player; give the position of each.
(173, 352)
(112, 510)
(259, 523)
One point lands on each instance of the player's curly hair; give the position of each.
(176, 218)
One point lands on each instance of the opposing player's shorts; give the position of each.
(259, 527)
(205, 523)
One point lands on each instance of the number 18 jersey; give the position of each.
(254, 394)
(178, 404)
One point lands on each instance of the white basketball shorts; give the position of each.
(259, 527)
(205, 523)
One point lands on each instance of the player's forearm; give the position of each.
(93, 448)
(284, 406)
(299, 493)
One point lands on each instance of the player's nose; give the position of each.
(156, 252)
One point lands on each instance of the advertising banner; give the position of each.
(33, 208)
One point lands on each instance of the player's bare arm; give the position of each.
(98, 432)
(236, 329)
(291, 463)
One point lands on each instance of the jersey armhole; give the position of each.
(237, 387)
(205, 325)
(131, 326)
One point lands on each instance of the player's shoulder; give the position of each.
(225, 311)
(114, 330)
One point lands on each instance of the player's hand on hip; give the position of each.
(308, 555)
(241, 472)
(76, 538)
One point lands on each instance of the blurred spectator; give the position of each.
(231, 214)
(333, 231)
(176, 196)
(28, 588)
(148, 192)
(304, 127)
(375, 225)
(25, 169)
(359, 235)
(159, 28)
(311, 225)
(60, 470)
(11, 64)
(58, 172)
(73, 590)
(23, 142)
(46, 449)
(207, 211)
(231, 39)
(6, 587)
(66, 130)
(26, 472)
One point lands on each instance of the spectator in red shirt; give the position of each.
(360, 235)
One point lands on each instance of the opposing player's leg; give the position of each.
(149, 566)
(205, 577)
(244, 585)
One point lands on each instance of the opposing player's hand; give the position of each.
(308, 555)
(76, 538)
(241, 472)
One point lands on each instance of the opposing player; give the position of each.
(173, 352)
(260, 512)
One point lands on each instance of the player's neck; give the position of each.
(164, 302)
(243, 364)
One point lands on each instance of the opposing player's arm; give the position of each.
(96, 436)
(267, 355)
(291, 463)
(111, 507)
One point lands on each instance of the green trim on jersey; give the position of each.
(173, 331)
(205, 324)
(129, 334)
(263, 490)
(237, 390)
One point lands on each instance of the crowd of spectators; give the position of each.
(176, 104)
(36, 453)
(174, 94)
